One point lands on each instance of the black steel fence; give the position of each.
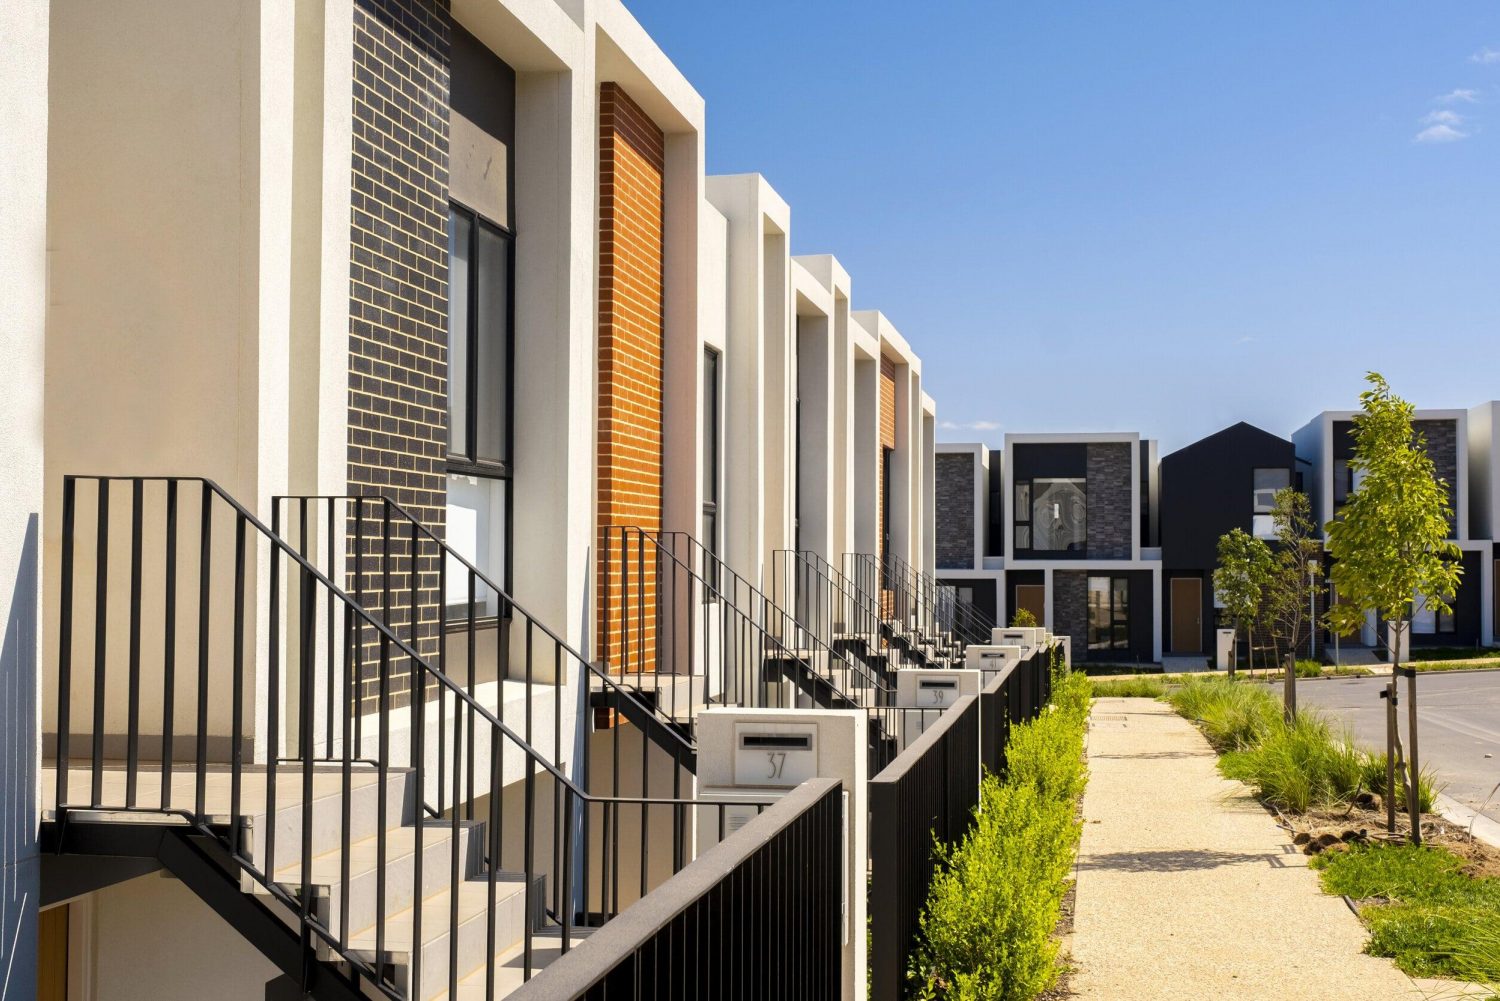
(930, 791)
(757, 916)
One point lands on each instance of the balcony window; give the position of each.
(1059, 515)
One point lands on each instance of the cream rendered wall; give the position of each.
(23, 309)
(170, 146)
(814, 481)
(865, 436)
(151, 938)
(928, 488)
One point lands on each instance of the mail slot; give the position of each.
(775, 755)
(936, 683)
(992, 659)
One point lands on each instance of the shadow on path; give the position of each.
(1179, 860)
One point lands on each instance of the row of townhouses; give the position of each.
(411, 455)
(1108, 545)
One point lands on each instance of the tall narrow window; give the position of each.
(711, 447)
(1266, 482)
(1109, 614)
(480, 352)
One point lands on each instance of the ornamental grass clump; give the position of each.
(1233, 714)
(987, 928)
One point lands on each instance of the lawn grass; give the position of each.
(1423, 910)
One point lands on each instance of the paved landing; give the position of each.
(1188, 889)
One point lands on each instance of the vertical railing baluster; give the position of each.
(237, 696)
(101, 641)
(133, 704)
(419, 761)
(169, 649)
(383, 714)
(331, 696)
(205, 578)
(273, 690)
(65, 642)
(307, 616)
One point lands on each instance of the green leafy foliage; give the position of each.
(1309, 669)
(1423, 909)
(1242, 577)
(1233, 714)
(997, 894)
(1023, 619)
(1389, 544)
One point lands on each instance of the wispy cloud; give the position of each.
(1486, 55)
(970, 426)
(1439, 134)
(1459, 95)
(1247, 339)
(1443, 118)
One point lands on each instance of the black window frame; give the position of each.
(1119, 615)
(469, 462)
(713, 451)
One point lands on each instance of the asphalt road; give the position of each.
(1458, 726)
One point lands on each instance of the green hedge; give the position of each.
(997, 895)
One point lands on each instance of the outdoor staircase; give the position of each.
(389, 845)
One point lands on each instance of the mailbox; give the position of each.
(1024, 637)
(991, 660)
(1224, 649)
(751, 757)
(922, 695)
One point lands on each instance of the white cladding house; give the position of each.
(404, 440)
(1458, 443)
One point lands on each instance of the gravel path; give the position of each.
(1188, 889)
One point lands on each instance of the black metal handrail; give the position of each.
(757, 916)
(576, 878)
(675, 615)
(839, 612)
(910, 616)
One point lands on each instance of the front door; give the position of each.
(1187, 615)
(1033, 598)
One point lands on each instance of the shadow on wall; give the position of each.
(19, 885)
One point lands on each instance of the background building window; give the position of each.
(1059, 515)
(1266, 483)
(480, 353)
(1109, 613)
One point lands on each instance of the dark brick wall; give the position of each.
(1442, 449)
(1070, 608)
(1109, 496)
(954, 512)
(398, 283)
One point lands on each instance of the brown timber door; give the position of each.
(1187, 615)
(1033, 598)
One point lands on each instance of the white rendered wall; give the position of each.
(23, 292)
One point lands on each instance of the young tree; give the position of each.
(1245, 565)
(1390, 546)
(1297, 569)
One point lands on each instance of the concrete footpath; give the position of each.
(1188, 889)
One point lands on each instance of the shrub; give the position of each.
(1023, 619)
(997, 894)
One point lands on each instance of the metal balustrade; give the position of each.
(757, 916)
(679, 622)
(408, 838)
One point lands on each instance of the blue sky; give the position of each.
(1160, 217)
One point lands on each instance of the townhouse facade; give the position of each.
(1325, 446)
(1063, 526)
(1111, 520)
(401, 407)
